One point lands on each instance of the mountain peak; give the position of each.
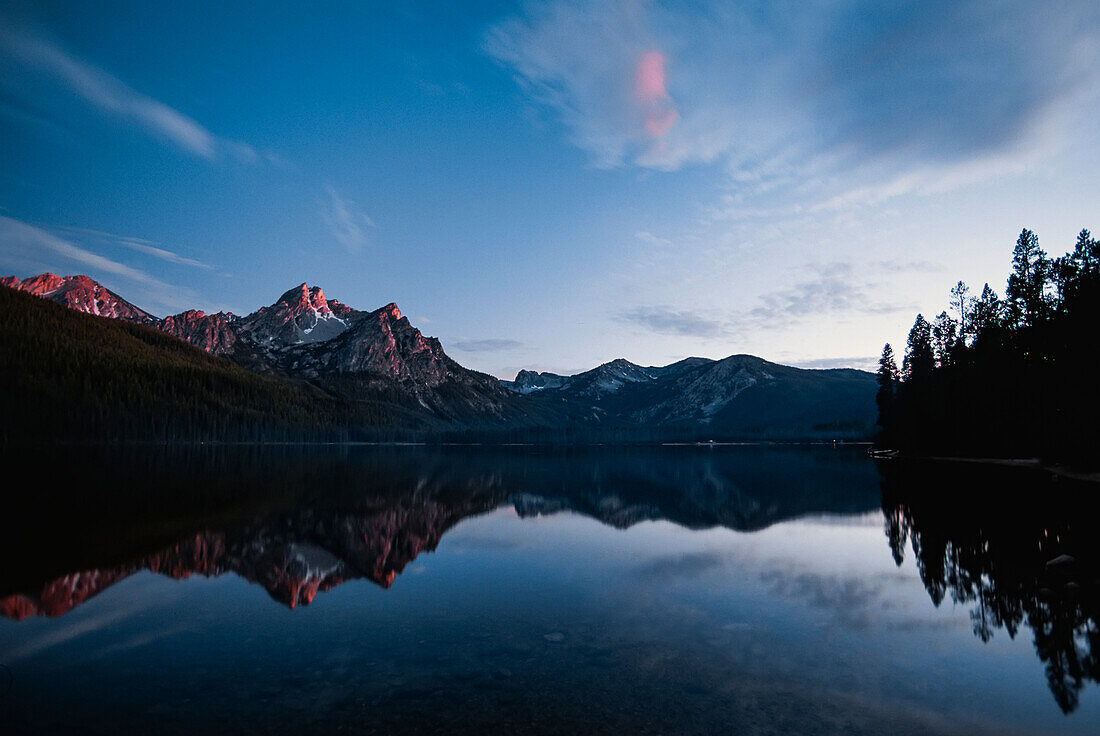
(82, 293)
(392, 310)
(301, 314)
(295, 295)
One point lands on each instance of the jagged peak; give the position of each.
(298, 293)
(317, 297)
(338, 308)
(200, 314)
(305, 297)
(188, 314)
(392, 310)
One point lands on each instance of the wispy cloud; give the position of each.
(25, 246)
(345, 220)
(70, 629)
(488, 345)
(683, 566)
(837, 289)
(161, 253)
(650, 239)
(670, 321)
(896, 265)
(140, 245)
(863, 363)
(19, 238)
(109, 95)
(582, 60)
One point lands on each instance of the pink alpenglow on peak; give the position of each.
(658, 112)
(80, 293)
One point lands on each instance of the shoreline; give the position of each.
(1033, 463)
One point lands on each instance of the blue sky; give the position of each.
(553, 185)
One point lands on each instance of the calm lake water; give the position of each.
(525, 590)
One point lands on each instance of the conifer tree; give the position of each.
(887, 384)
(919, 360)
(945, 333)
(985, 313)
(1026, 291)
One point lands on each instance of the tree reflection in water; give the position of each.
(1016, 545)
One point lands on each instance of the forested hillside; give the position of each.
(68, 375)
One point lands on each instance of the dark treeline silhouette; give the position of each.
(1017, 565)
(1003, 377)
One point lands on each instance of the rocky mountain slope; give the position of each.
(211, 332)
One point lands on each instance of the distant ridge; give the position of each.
(742, 394)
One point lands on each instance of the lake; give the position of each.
(359, 589)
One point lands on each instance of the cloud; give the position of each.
(895, 266)
(71, 628)
(853, 603)
(658, 112)
(651, 239)
(345, 220)
(582, 60)
(863, 363)
(26, 246)
(670, 321)
(161, 253)
(682, 566)
(111, 96)
(19, 237)
(141, 245)
(488, 345)
(923, 95)
(837, 289)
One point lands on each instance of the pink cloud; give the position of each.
(659, 114)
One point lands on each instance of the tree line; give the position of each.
(1003, 376)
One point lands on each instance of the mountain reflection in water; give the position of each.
(1009, 546)
(368, 515)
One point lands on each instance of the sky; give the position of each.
(552, 185)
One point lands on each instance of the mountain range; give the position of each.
(355, 358)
